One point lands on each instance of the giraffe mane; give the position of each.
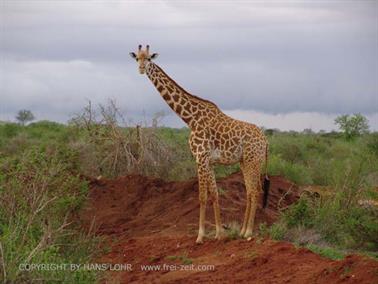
(188, 94)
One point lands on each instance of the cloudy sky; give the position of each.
(279, 64)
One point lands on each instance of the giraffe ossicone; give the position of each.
(215, 138)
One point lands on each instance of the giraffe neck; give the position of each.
(191, 109)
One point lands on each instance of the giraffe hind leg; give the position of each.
(251, 173)
(246, 215)
(247, 208)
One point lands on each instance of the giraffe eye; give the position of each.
(148, 59)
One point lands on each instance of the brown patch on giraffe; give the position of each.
(197, 115)
(187, 107)
(197, 141)
(216, 143)
(176, 98)
(185, 113)
(186, 119)
(235, 140)
(200, 134)
(178, 108)
(201, 107)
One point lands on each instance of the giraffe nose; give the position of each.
(141, 70)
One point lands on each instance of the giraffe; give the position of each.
(215, 138)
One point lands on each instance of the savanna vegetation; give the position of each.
(43, 166)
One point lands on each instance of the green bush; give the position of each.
(39, 193)
(9, 130)
(339, 216)
(297, 173)
(372, 143)
(299, 214)
(278, 231)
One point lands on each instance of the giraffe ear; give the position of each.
(154, 55)
(132, 54)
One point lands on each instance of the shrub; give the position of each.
(278, 231)
(299, 214)
(372, 143)
(339, 217)
(39, 194)
(352, 125)
(295, 172)
(9, 130)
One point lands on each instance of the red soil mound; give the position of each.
(153, 222)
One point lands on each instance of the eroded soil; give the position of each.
(152, 224)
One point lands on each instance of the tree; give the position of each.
(352, 125)
(24, 115)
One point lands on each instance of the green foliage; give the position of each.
(339, 216)
(39, 193)
(9, 130)
(299, 214)
(327, 252)
(372, 143)
(278, 231)
(297, 173)
(14, 139)
(352, 125)
(224, 171)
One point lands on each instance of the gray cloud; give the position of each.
(272, 57)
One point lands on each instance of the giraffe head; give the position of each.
(143, 57)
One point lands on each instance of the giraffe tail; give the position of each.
(266, 180)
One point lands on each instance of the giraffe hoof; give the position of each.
(247, 235)
(199, 242)
(220, 236)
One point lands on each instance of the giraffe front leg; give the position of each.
(202, 190)
(219, 232)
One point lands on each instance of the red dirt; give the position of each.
(148, 221)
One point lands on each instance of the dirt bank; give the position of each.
(147, 221)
